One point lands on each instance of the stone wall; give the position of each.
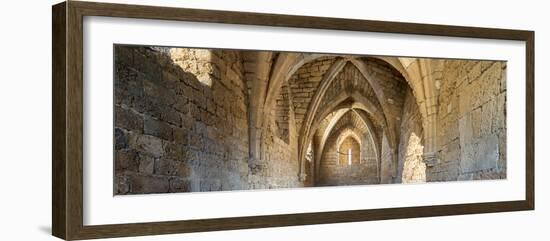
(348, 133)
(181, 125)
(368, 155)
(282, 114)
(351, 145)
(174, 132)
(279, 166)
(471, 122)
(304, 83)
(334, 172)
(411, 168)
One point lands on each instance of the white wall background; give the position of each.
(25, 120)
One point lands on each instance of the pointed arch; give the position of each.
(419, 74)
(339, 102)
(348, 133)
(330, 128)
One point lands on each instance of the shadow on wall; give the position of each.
(179, 125)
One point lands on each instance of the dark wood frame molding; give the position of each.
(67, 123)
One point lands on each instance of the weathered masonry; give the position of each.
(207, 120)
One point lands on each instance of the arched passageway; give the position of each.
(207, 120)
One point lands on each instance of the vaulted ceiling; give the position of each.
(312, 92)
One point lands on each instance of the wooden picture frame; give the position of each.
(67, 149)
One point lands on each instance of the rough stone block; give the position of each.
(157, 128)
(491, 81)
(488, 153)
(205, 185)
(121, 185)
(151, 106)
(184, 90)
(216, 185)
(464, 105)
(475, 90)
(466, 177)
(181, 136)
(170, 79)
(476, 123)
(146, 164)
(180, 185)
(175, 151)
(170, 167)
(148, 144)
(199, 127)
(468, 158)
(451, 152)
(187, 122)
(502, 161)
(121, 139)
(453, 132)
(162, 94)
(171, 116)
(474, 73)
(480, 156)
(465, 130)
(144, 64)
(148, 184)
(212, 133)
(487, 114)
(128, 119)
(126, 160)
(194, 112)
(499, 117)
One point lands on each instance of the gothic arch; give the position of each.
(348, 133)
(330, 128)
(340, 102)
(418, 73)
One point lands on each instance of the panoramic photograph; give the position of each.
(202, 120)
